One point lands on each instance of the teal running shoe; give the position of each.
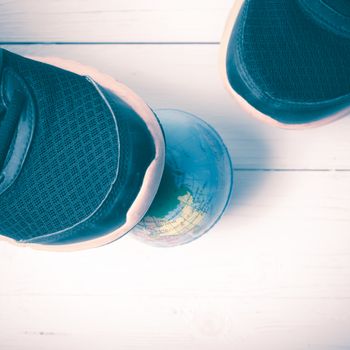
(287, 61)
(80, 163)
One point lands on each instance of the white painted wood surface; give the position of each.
(274, 273)
(113, 20)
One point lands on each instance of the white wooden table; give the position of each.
(274, 274)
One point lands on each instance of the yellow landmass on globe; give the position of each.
(189, 218)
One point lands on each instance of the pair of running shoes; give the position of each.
(84, 160)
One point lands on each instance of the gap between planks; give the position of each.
(292, 170)
(109, 43)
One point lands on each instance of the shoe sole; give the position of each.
(242, 102)
(152, 176)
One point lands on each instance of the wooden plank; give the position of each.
(186, 323)
(275, 273)
(108, 20)
(186, 77)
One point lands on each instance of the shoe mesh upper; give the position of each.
(284, 55)
(290, 57)
(72, 160)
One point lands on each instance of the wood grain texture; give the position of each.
(273, 274)
(112, 21)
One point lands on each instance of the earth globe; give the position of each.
(196, 185)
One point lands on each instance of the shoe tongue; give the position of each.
(333, 15)
(340, 6)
